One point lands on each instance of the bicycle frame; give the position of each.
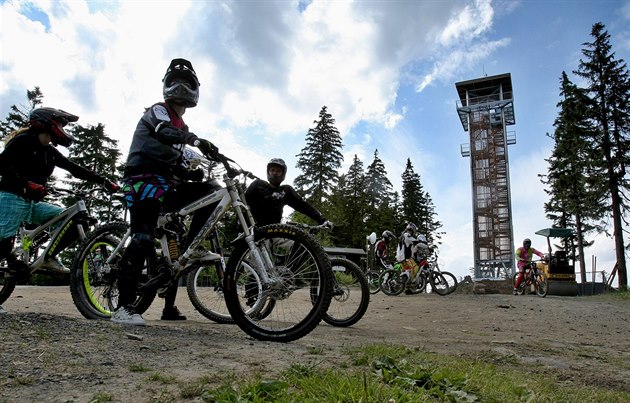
(65, 221)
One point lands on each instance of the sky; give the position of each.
(385, 69)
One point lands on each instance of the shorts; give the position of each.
(15, 210)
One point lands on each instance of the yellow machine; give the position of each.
(560, 270)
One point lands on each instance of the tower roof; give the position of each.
(485, 87)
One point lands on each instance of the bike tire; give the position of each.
(451, 280)
(93, 282)
(351, 294)
(521, 287)
(542, 286)
(392, 282)
(438, 282)
(205, 291)
(300, 283)
(373, 281)
(7, 283)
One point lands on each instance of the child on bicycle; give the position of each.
(155, 180)
(523, 257)
(27, 161)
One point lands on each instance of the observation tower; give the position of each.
(486, 108)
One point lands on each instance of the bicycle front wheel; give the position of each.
(373, 281)
(300, 284)
(350, 295)
(451, 280)
(439, 285)
(392, 282)
(542, 286)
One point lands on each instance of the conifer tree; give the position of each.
(319, 160)
(381, 213)
(608, 91)
(18, 115)
(574, 200)
(96, 151)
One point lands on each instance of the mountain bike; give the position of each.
(351, 291)
(277, 265)
(532, 278)
(34, 245)
(414, 280)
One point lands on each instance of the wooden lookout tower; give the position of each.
(486, 108)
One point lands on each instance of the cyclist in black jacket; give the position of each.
(27, 161)
(154, 180)
(267, 199)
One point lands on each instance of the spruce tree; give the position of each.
(96, 151)
(574, 201)
(319, 160)
(381, 213)
(18, 115)
(608, 90)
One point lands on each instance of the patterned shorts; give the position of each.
(15, 209)
(145, 187)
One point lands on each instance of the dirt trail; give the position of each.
(50, 353)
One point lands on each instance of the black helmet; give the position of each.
(53, 120)
(527, 242)
(388, 235)
(180, 83)
(276, 180)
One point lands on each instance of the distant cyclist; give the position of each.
(381, 248)
(523, 257)
(27, 161)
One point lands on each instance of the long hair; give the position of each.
(14, 133)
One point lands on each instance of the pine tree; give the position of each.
(381, 213)
(18, 115)
(319, 160)
(574, 201)
(96, 151)
(418, 208)
(608, 90)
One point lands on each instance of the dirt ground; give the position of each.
(51, 354)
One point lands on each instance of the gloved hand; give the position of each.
(206, 147)
(35, 191)
(328, 224)
(112, 186)
(195, 175)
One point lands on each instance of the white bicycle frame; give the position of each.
(25, 237)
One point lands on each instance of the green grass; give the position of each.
(399, 374)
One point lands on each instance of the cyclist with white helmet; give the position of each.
(381, 246)
(523, 257)
(406, 242)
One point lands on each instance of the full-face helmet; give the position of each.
(411, 227)
(527, 242)
(273, 179)
(52, 121)
(388, 235)
(180, 84)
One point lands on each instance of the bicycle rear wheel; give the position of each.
(205, 291)
(522, 286)
(300, 284)
(94, 281)
(7, 282)
(451, 280)
(350, 295)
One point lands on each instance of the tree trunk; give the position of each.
(618, 233)
(580, 248)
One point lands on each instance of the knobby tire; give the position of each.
(301, 285)
(350, 295)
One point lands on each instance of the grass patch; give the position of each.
(399, 374)
(102, 397)
(138, 368)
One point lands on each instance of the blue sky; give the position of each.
(386, 70)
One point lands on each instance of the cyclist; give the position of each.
(523, 257)
(380, 248)
(27, 161)
(154, 179)
(406, 242)
(267, 199)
